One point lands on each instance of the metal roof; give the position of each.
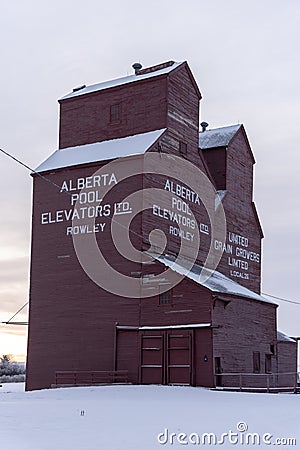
(164, 327)
(284, 338)
(217, 137)
(124, 80)
(100, 151)
(211, 279)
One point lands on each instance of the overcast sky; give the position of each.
(245, 59)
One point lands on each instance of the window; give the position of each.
(272, 349)
(182, 148)
(165, 298)
(114, 113)
(268, 363)
(256, 362)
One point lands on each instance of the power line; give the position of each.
(9, 322)
(15, 323)
(59, 187)
(18, 311)
(32, 170)
(282, 299)
(133, 232)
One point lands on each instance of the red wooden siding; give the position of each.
(232, 170)
(75, 325)
(242, 223)
(127, 353)
(240, 327)
(183, 112)
(71, 318)
(86, 119)
(287, 363)
(190, 304)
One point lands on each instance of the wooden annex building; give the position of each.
(126, 317)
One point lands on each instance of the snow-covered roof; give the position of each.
(100, 151)
(119, 81)
(216, 282)
(284, 338)
(165, 327)
(217, 137)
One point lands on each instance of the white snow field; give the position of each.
(133, 417)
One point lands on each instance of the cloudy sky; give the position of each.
(245, 58)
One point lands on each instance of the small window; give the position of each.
(115, 113)
(256, 362)
(268, 363)
(165, 298)
(272, 349)
(182, 148)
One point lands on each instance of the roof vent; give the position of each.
(136, 67)
(155, 68)
(79, 88)
(204, 125)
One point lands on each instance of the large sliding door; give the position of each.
(152, 359)
(166, 357)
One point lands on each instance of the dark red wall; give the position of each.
(183, 112)
(73, 320)
(287, 363)
(232, 170)
(190, 304)
(240, 327)
(86, 118)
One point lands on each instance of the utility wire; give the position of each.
(32, 170)
(59, 187)
(282, 299)
(26, 323)
(133, 232)
(18, 311)
(16, 323)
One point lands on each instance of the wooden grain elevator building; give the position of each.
(124, 312)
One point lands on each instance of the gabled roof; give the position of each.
(215, 282)
(281, 337)
(124, 80)
(100, 151)
(217, 137)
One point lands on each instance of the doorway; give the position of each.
(218, 371)
(166, 357)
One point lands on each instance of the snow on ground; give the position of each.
(131, 417)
